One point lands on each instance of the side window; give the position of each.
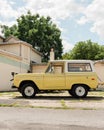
(55, 68)
(58, 69)
(79, 67)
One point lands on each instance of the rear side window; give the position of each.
(79, 67)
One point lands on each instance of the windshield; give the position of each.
(49, 69)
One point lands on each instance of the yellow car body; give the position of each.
(59, 75)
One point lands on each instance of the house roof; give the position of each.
(12, 37)
(18, 41)
(37, 51)
(21, 42)
(14, 40)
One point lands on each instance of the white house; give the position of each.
(15, 56)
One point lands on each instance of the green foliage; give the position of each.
(40, 32)
(86, 50)
(66, 56)
(7, 31)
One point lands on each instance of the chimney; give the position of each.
(52, 55)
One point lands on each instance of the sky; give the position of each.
(78, 20)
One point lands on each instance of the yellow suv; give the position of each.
(76, 76)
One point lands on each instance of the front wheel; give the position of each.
(71, 93)
(28, 90)
(79, 91)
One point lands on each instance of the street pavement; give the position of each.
(13, 118)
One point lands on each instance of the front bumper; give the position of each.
(13, 87)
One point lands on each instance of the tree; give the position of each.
(7, 31)
(40, 32)
(86, 50)
(66, 56)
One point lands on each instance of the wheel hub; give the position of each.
(29, 91)
(80, 91)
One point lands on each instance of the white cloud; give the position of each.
(67, 46)
(98, 27)
(6, 10)
(57, 9)
(94, 13)
(82, 20)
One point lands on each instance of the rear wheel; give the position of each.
(28, 90)
(79, 91)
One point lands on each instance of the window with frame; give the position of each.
(55, 68)
(79, 67)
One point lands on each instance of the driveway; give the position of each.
(94, 101)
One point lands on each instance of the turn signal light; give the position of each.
(92, 78)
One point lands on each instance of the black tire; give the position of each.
(28, 90)
(70, 92)
(19, 89)
(79, 91)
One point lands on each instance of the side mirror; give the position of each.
(13, 73)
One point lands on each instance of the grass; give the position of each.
(9, 94)
(63, 104)
(46, 107)
(96, 93)
(9, 105)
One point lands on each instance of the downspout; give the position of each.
(30, 66)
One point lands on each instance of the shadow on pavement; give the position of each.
(44, 97)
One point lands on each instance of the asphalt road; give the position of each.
(50, 119)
